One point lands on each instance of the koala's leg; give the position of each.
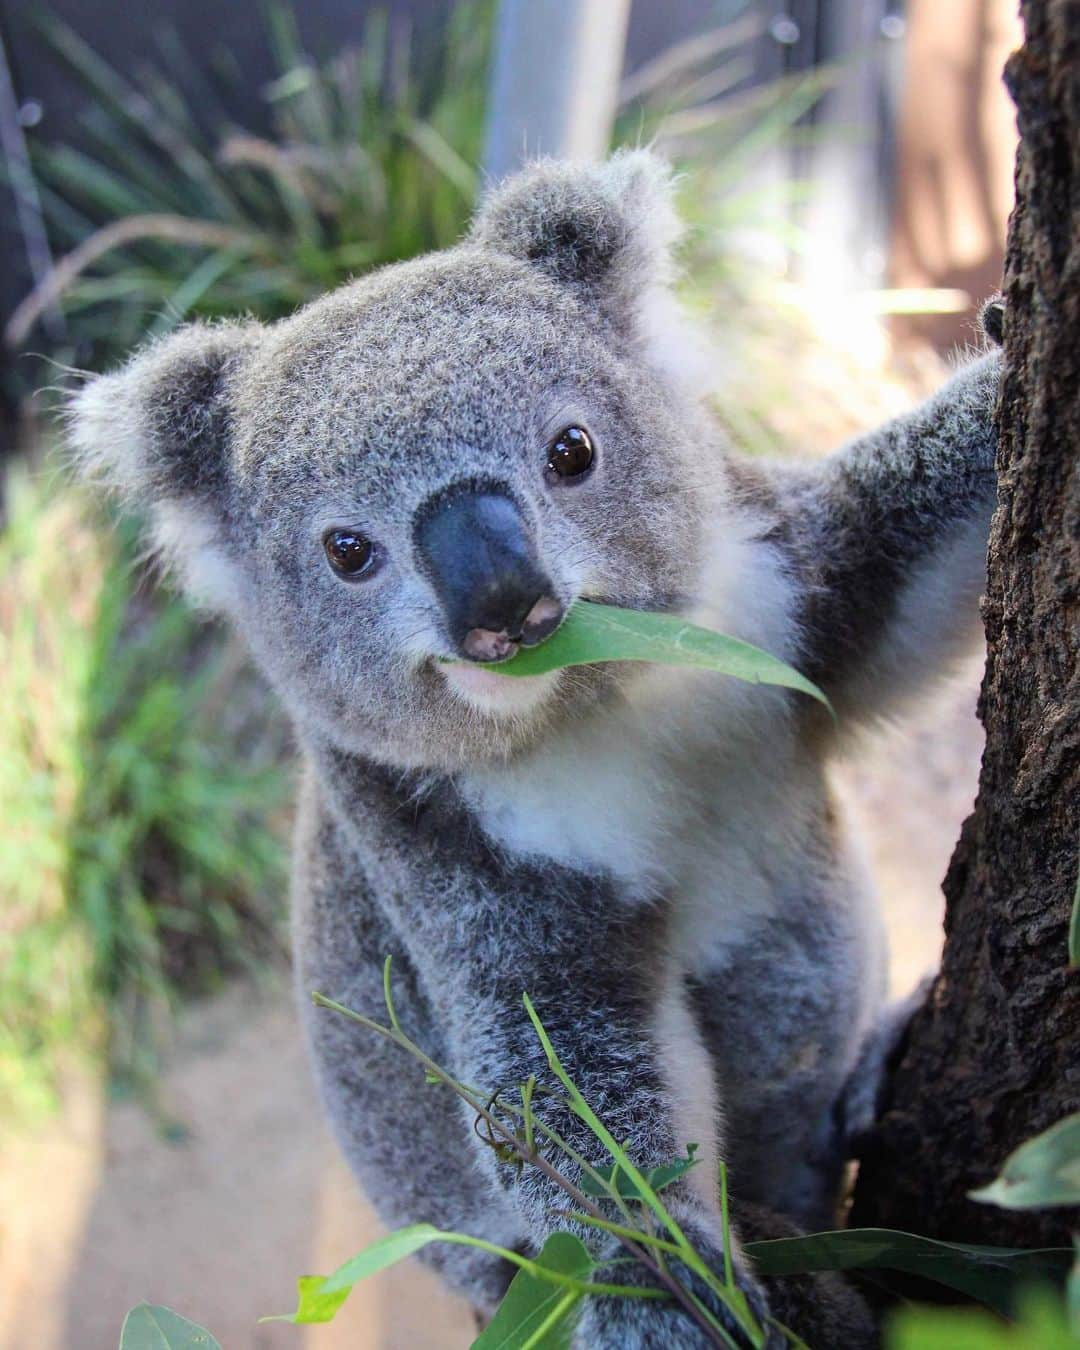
(887, 541)
(404, 1139)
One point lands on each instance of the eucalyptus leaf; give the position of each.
(987, 1274)
(313, 1303)
(319, 1296)
(387, 1251)
(592, 633)
(658, 1177)
(1042, 1172)
(529, 1301)
(147, 1327)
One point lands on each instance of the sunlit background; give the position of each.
(847, 175)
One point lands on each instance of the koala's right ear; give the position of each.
(156, 433)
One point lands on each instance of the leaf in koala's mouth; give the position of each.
(592, 633)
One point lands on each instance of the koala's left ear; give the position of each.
(157, 434)
(606, 229)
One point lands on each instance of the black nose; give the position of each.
(479, 556)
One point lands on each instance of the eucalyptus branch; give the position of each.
(670, 1282)
(731, 1295)
(539, 1272)
(618, 1230)
(606, 1184)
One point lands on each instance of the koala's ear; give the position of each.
(992, 319)
(157, 433)
(607, 229)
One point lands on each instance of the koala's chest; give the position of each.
(726, 839)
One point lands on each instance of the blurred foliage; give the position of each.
(166, 211)
(172, 212)
(697, 104)
(1042, 1324)
(135, 855)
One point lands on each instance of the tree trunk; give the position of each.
(993, 1057)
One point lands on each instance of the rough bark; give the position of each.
(993, 1056)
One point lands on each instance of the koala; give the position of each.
(391, 491)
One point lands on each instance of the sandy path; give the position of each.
(98, 1211)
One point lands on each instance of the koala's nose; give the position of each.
(479, 556)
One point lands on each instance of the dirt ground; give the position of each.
(99, 1210)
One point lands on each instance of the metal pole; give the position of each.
(555, 80)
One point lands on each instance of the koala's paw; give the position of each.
(613, 1323)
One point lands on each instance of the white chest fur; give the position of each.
(692, 786)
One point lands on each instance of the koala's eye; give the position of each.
(350, 553)
(571, 453)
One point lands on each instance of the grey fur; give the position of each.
(654, 856)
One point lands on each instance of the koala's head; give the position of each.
(432, 462)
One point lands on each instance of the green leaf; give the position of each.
(1041, 1325)
(1044, 1171)
(1072, 1291)
(657, 1177)
(388, 1251)
(320, 1296)
(313, 1303)
(147, 1327)
(1074, 928)
(529, 1302)
(988, 1274)
(592, 633)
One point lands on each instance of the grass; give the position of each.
(371, 159)
(136, 860)
(162, 214)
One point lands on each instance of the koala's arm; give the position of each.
(481, 937)
(888, 546)
(594, 967)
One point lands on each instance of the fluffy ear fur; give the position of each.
(157, 432)
(608, 231)
(607, 228)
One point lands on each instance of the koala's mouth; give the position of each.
(482, 689)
